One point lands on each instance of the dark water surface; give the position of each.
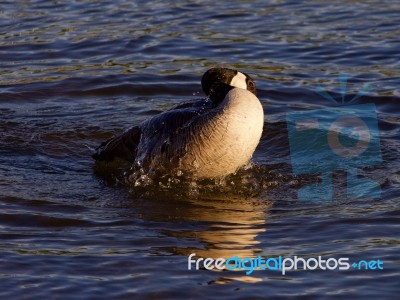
(73, 73)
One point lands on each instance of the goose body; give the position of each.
(208, 138)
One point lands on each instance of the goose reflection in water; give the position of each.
(224, 228)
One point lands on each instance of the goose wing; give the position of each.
(122, 146)
(153, 134)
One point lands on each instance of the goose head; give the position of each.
(217, 82)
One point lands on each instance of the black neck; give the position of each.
(218, 92)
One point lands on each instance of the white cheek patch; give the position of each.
(239, 81)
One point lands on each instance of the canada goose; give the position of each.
(207, 138)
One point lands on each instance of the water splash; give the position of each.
(250, 181)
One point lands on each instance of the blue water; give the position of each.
(73, 74)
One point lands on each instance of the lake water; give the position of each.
(74, 73)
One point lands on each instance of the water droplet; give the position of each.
(196, 164)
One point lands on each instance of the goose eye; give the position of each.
(251, 86)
